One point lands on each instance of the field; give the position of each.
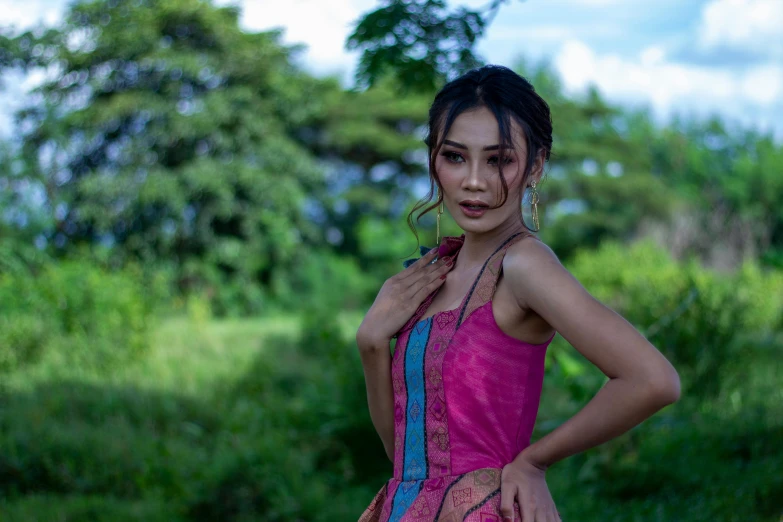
(187, 433)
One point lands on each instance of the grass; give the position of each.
(186, 356)
(142, 441)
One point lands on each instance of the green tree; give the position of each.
(168, 133)
(423, 41)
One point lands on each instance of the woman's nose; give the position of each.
(475, 177)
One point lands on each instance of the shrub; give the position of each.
(323, 277)
(74, 312)
(298, 442)
(700, 319)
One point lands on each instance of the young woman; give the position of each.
(456, 403)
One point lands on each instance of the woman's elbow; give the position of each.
(665, 386)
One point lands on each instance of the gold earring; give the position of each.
(534, 203)
(437, 222)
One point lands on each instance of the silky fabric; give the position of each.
(466, 396)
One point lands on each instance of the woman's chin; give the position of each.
(473, 226)
(483, 225)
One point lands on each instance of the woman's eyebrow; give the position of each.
(461, 146)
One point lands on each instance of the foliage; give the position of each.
(703, 321)
(420, 40)
(288, 439)
(47, 508)
(166, 133)
(73, 312)
(712, 459)
(286, 435)
(371, 146)
(163, 129)
(321, 276)
(732, 177)
(170, 152)
(122, 448)
(312, 378)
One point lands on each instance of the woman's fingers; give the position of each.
(426, 259)
(428, 286)
(507, 493)
(419, 264)
(527, 512)
(426, 274)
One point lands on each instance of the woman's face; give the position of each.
(467, 166)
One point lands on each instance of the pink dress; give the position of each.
(466, 397)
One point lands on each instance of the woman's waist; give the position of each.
(457, 468)
(486, 475)
(447, 497)
(459, 461)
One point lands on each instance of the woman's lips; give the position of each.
(473, 212)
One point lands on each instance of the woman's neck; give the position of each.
(479, 246)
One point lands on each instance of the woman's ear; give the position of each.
(538, 166)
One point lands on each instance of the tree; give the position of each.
(422, 41)
(168, 132)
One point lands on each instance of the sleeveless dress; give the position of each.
(466, 397)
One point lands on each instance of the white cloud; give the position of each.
(752, 25)
(322, 26)
(595, 3)
(754, 94)
(668, 86)
(548, 33)
(764, 84)
(29, 13)
(652, 55)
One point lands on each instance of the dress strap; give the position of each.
(485, 284)
(449, 246)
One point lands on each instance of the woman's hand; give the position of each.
(525, 482)
(399, 297)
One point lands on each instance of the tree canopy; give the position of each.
(165, 133)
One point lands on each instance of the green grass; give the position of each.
(149, 440)
(192, 433)
(714, 459)
(186, 356)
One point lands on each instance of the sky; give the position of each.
(694, 58)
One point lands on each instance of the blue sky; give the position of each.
(692, 57)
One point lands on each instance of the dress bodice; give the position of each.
(466, 396)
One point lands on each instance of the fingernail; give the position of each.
(507, 519)
(443, 276)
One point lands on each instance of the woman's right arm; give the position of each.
(376, 361)
(396, 302)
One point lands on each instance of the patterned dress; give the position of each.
(466, 396)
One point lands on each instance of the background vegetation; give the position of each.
(191, 228)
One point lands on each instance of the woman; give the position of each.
(456, 403)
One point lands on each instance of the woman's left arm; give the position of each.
(641, 379)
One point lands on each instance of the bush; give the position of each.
(721, 333)
(80, 442)
(73, 312)
(22, 337)
(298, 442)
(700, 319)
(322, 277)
(72, 508)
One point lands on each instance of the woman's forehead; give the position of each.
(479, 128)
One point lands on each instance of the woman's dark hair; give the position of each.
(507, 95)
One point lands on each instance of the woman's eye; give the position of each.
(453, 157)
(494, 160)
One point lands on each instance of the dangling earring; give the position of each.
(534, 204)
(437, 222)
